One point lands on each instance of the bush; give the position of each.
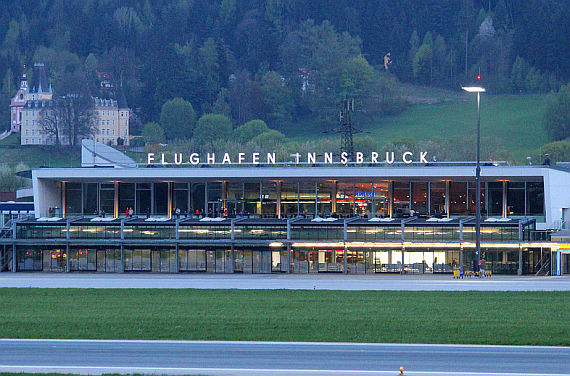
(557, 114)
(211, 128)
(559, 151)
(138, 141)
(153, 133)
(177, 118)
(249, 130)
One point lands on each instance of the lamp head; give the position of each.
(473, 89)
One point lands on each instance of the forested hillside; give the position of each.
(283, 61)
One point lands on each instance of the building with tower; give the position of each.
(29, 105)
(39, 90)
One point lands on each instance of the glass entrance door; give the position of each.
(137, 260)
(213, 209)
(326, 261)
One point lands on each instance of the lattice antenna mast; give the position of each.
(347, 128)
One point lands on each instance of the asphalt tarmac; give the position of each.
(285, 281)
(277, 358)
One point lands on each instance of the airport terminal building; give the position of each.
(295, 217)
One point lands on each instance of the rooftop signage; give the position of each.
(194, 159)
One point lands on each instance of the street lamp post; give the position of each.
(478, 90)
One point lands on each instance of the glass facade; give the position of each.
(300, 259)
(276, 226)
(288, 199)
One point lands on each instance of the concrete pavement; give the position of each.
(284, 281)
(277, 358)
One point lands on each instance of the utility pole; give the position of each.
(347, 128)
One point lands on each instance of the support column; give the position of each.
(169, 199)
(279, 199)
(334, 183)
(461, 256)
(289, 269)
(316, 199)
(14, 236)
(177, 267)
(447, 199)
(519, 271)
(403, 263)
(232, 259)
(67, 226)
(504, 209)
(122, 269)
(428, 197)
(63, 198)
(116, 201)
(14, 263)
(344, 260)
(206, 199)
(390, 198)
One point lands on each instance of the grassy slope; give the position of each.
(12, 152)
(531, 318)
(514, 121)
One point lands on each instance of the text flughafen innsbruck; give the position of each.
(297, 158)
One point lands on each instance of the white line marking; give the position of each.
(279, 343)
(256, 370)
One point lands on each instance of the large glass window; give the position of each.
(289, 207)
(401, 200)
(180, 197)
(515, 198)
(458, 198)
(437, 198)
(495, 200)
(419, 197)
(471, 197)
(381, 201)
(143, 198)
(126, 197)
(535, 200)
(234, 198)
(307, 198)
(269, 199)
(345, 199)
(198, 192)
(90, 201)
(161, 198)
(252, 203)
(107, 195)
(324, 198)
(364, 197)
(72, 199)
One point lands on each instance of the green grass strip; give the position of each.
(518, 318)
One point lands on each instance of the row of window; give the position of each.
(330, 233)
(312, 198)
(307, 260)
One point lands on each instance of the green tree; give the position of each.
(221, 105)
(321, 53)
(423, 61)
(177, 118)
(211, 128)
(208, 71)
(559, 151)
(278, 99)
(365, 144)
(153, 133)
(557, 114)
(357, 78)
(249, 130)
(270, 140)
